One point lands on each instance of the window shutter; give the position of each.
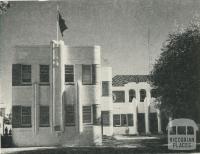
(94, 74)
(130, 119)
(16, 116)
(16, 74)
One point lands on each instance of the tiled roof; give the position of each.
(121, 80)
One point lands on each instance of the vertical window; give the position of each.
(116, 120)
(26, 73)
(44, 73)
(123, 120)
(69, 115)
(69, 73)
(118, 96)
(172, 130)
(105, 118)
(87, 114)
(142, 95)
(2, 112)
(44, 116)
(21, 116)
(190, 130)
(88, 74)
(154, 93)
(181, 130)
(130, 119)
(26, 116)
(16, 116)
(105, 88)
(131, 95)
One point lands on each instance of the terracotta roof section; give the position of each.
(121, 80)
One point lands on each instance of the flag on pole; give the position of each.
(62, 24)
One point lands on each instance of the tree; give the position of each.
(4, 5)
(176, 74)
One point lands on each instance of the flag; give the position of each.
(62, 24)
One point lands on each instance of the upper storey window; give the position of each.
(118, 96)
(44, 73)
(21, 74)
(131, 95)
(142, 95)
(154, 93)
(26, 73)
(88, 74)
(105, 88)
(69, 74)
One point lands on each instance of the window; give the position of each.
(88, 74)
(44, 116)
(123, 120)
(26, 73)
(130, 119)
(26, 116)
(105, 118)
(142, 95)
(21, 116)
(44, 73)
(118, 96)
(154, 93)
(105, 88)
(69, 73)
(2, 112)
(190, 130)
(181, 130)
(131, 95)
(172, 130)
(116, 120)
(69, 115)
(21, 74)
(87, 114)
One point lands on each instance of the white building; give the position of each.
(56, 95)
(134, 110)
(62, 95)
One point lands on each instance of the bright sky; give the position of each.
(120, 27)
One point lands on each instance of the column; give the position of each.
(36, 107)
(79, 108)
(135, 115)
(159, 121)
(147, 119)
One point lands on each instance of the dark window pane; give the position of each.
(142, 95)
(44, 116)
(181, 130)
(172, 130)
(105, 118)
(70, 115)
(123, 120)
(87, 74)
(131, 95)
(130, 119)
(105, 88)
(190, 130)
(119, 96)
(69, 73)
(116, 120)
(26, 116)
(44, 73)
(87, 114)
(16, 74)
(154, 93)
(16, 116)
(26, 73)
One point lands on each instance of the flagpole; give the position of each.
(57, 23)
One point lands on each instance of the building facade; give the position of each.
(62, 95)
(56, 95)
(134, 106)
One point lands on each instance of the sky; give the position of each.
(130, 32)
